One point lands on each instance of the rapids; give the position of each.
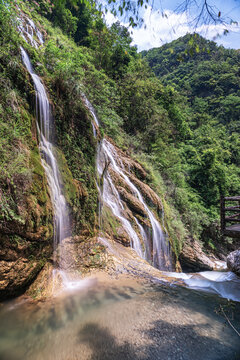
(225, 284)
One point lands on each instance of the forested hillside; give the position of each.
(204, 79)
(179, 130)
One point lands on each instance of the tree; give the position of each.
(204, 11)
(112, 47)
(73, 17)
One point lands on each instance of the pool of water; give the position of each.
(121, 319)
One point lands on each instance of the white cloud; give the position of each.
(162, 28)
(159, 28)
(110, 18)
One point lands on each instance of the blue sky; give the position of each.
(160, 30)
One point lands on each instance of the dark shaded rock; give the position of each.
(233, 262)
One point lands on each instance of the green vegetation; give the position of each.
(20, 165)
(124, 94)
(206, 145)
(110, 224)
(181, 125)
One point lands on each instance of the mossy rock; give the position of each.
(70, 187)
(110, 222)
(35, 162)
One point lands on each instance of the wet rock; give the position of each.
(15, 275)
(133, 203)
(151, 197)
(81, 254)
(122, 237)
(112, 226)
(233, 262)
(119, 180)
(25, 235)
(192, 257)
(130, 165)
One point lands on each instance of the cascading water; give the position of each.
(49, 162)
(27, 28)
(160, 255)
(110, 196)
(154, 247)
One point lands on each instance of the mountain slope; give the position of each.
(206, 78)
(207, 75)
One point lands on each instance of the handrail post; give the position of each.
(222, 213)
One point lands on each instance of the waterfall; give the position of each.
(49, 162)
(27, 29)
(111, 198)
(154, 247)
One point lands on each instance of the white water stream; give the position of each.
(225, 284)
(49, 162)
(153, 247)
(28, 29)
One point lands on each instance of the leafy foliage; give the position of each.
(207, 76)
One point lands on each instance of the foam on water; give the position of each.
(225, 284)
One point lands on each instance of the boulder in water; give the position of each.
(233, 262)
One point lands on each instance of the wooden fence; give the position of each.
(230, 216)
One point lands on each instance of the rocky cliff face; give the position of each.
(132, 213)
(191, 258)
(26, 218)
(26, 222)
